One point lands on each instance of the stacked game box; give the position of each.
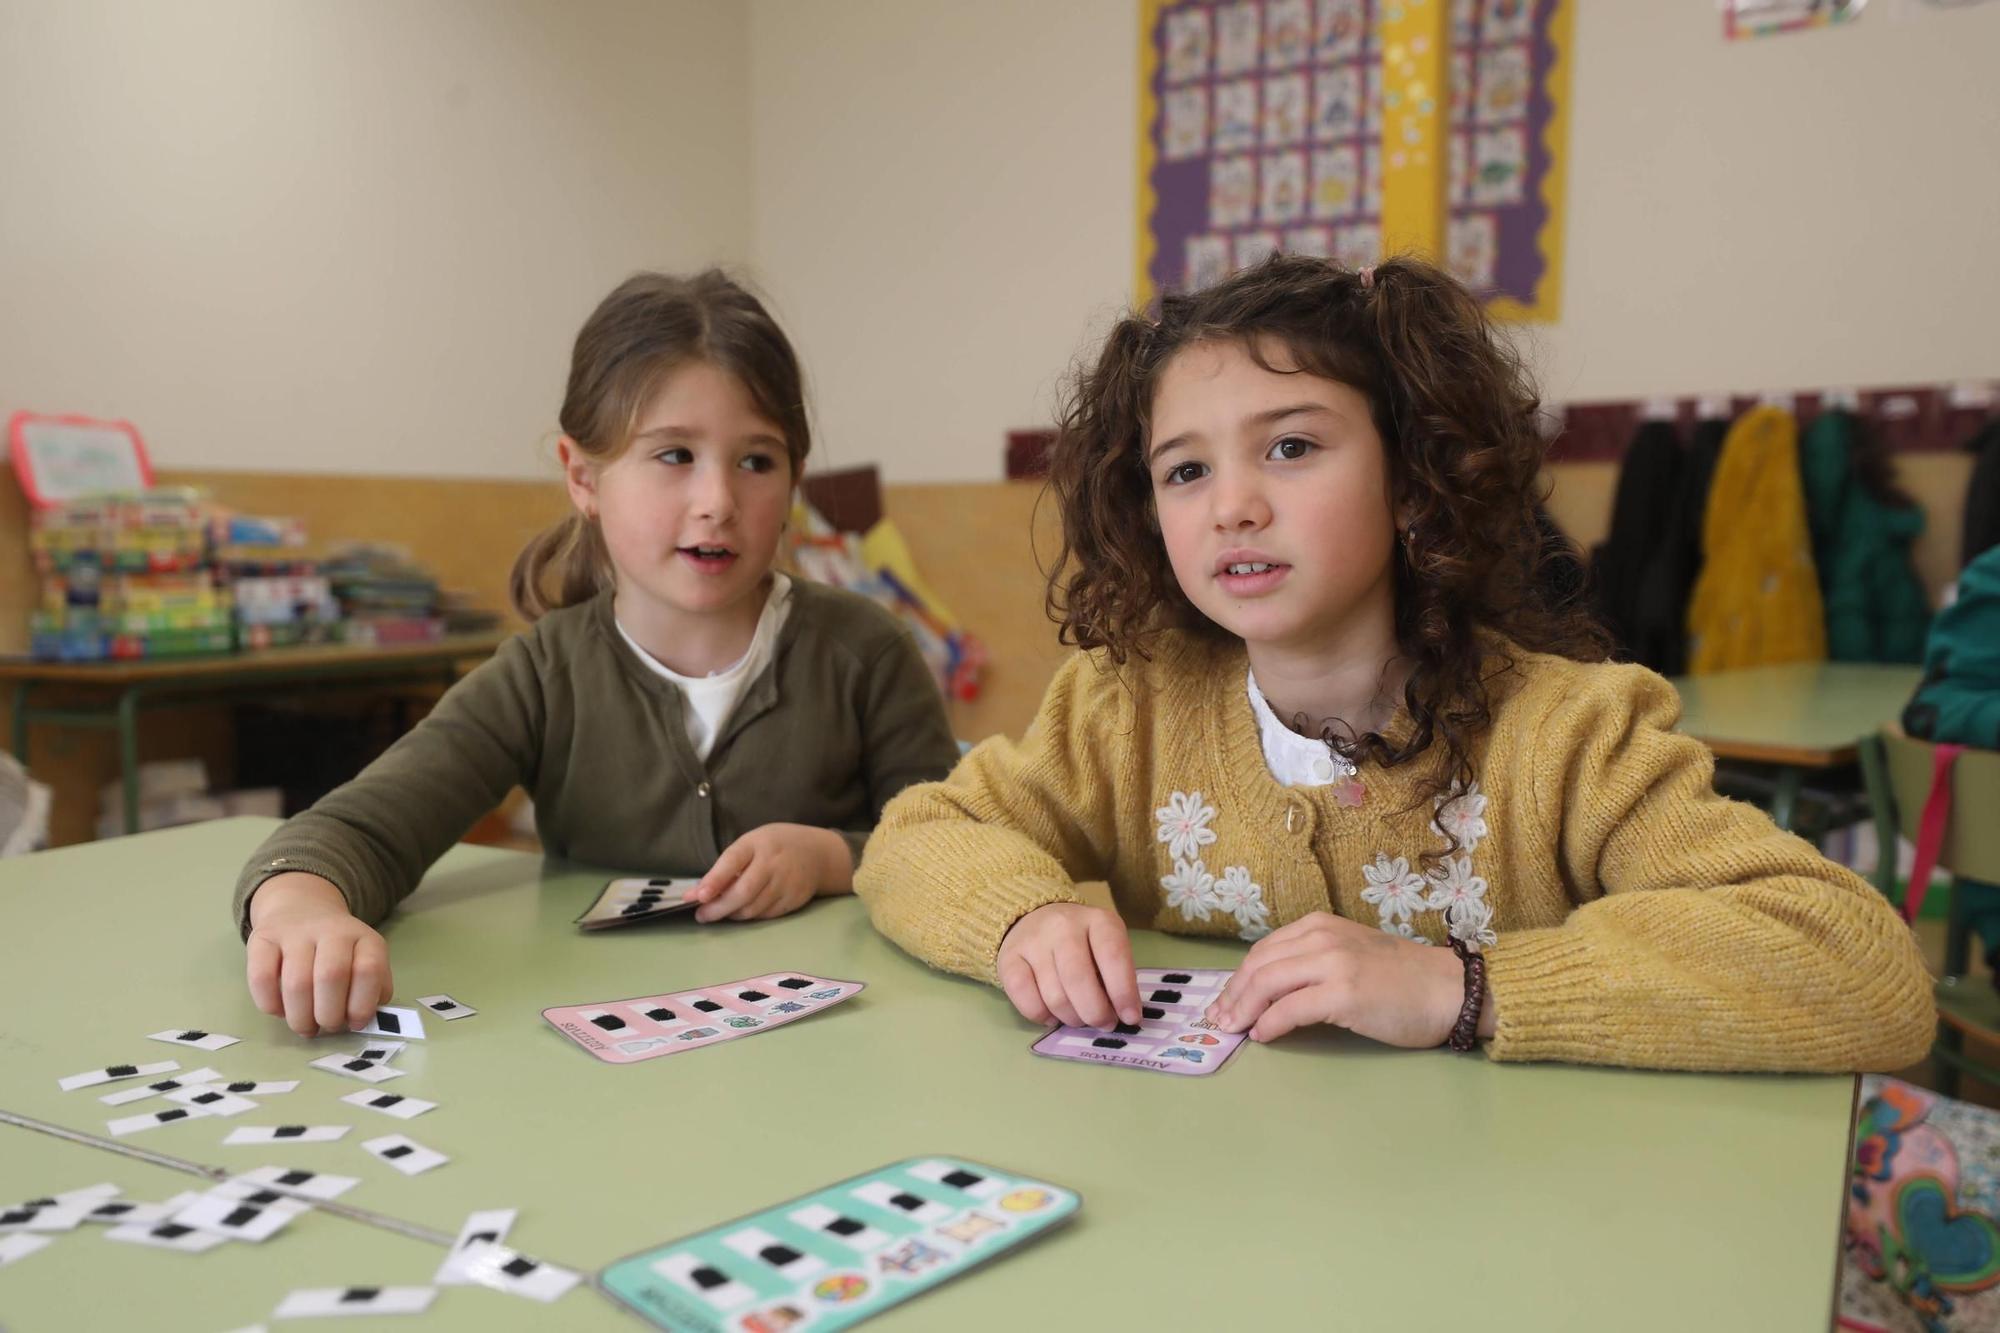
(385, 596)
(127, 576)
(163, 573)
(281, 598)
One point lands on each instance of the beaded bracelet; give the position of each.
(1465, 1032)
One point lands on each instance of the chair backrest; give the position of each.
(1972, 828)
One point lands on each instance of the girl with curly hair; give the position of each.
(1329, 704)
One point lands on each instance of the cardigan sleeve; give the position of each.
(905, 733)
(1706, 937)
(375, 836)
(954, 864)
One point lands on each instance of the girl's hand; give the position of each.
(310, 960)
(772, 871)
(1070, 963)
(1326, 969)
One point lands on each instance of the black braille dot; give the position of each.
(1109, 1043)
(844, 1226)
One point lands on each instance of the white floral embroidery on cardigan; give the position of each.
(1398, 893)
(1192, 890)
(1184, 826)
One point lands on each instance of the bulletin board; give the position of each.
(1261, 129)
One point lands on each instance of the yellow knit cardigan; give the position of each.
(1634, 916)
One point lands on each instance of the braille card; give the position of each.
(1171, 1036)
(628, 1031)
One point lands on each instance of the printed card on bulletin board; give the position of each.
(1261, 130)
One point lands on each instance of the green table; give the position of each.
(1796, 718)
(109, 695)
(1321, 1182)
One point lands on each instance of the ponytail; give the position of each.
(573, 550)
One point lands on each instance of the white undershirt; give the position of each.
(1294, 760)
(710, 698)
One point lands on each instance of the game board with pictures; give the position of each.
(832, 1258)
(644, 1028)
(1171, 1036)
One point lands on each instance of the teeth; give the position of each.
(1249, 568)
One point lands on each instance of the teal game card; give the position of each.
(835, 1257)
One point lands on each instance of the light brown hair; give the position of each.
(648, 327)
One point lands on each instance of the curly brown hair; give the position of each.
(1457, 414)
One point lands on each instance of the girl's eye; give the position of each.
(758, 462)
(675, 455)
(1291, 448)
(1183, 473)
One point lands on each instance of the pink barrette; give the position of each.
(1368, 278)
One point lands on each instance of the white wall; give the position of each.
(352, 236)
(1810, 210)
(358, 235)
(942, 203)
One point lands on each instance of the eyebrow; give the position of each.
(1266, 418)
(683, 433)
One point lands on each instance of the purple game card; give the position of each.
(1171, 1036)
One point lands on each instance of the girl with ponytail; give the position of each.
(1328, 705)
(678, 706)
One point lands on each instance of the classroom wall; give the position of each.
(350, 237)
(943, 199)
(941, 203)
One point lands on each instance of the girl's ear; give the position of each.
(579, 475)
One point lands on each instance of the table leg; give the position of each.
(20, 715)
(128, 755)
(1882, 811)
(1785, 800)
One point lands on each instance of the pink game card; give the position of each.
(1171, 1035)
(625, 1032)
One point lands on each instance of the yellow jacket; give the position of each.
(1634, 916)
(1757, 600)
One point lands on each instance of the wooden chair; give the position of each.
(1898, 769)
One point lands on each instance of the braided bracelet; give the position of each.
(1465, 1032)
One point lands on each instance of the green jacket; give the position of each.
(845, 717)
(1875, 605)
(1960, 697)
